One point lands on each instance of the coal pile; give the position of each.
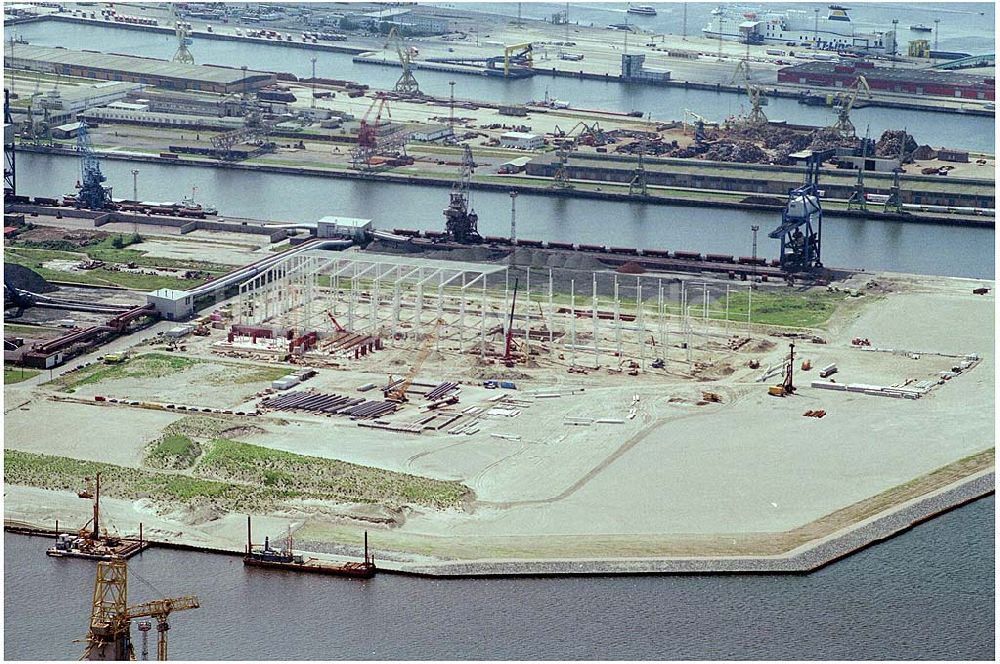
(25, 279)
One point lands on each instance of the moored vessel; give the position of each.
(286, 559)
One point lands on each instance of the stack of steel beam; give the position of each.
(440, 390)
(329, 404)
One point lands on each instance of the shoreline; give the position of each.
(543, 190)
(774, 90)
(804, 559)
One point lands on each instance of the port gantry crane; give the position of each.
(589, 134)
(373, 141)
(397, 392)
(755, 94)
(91, 194)
(406, 84)
(9, 149)
(858, 200)
(801, 226)
(110, 616)
(845, 102)
(182, 55)
(461, 221)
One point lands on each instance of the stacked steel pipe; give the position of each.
(440, 390)
(329, 404)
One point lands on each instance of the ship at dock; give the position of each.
(830, 30)
(285, 558)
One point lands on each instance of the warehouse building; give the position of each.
(911, 81)
(147, 71)
(522, 141)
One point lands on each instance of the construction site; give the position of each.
(484, 404)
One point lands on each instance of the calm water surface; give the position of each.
(927, 594)
(847, 243)
(957, 131)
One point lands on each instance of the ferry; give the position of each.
(833, 30)
(643, 10)
(920, 27)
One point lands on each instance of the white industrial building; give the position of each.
(431, 132)
(522, 141)
(171, 304)
(354, 228)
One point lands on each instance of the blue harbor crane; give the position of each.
(801, 226)
(92, 195)
(9, 149)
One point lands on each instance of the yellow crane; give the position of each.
(755, 95)
(516, 54)
(397, 393)
(406, 84)
(111, 616)
(845, 102)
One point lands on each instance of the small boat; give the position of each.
(920, 27)
(643, 10)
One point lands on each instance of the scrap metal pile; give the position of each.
(745, 144)
(890, 142)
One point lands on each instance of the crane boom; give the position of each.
(398, 393)
(161, 607)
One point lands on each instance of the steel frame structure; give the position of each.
(401, 297)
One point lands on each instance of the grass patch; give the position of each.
(329, 479)
(173, 451)
(244, 375)
(13, 375)
(15, 328)
(65, 474)
(236, 477)
(151, 365)
(809, 309)
(98, 277)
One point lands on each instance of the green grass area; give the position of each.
(105, 250)
(244, 375)
(329, 479)
(236, 476)
(810, 309)
(65, 474)
(173, 451)
(97, 277)
(13, 375)
(151, 365)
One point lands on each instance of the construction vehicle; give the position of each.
(397, 392)
(406, 84)
(461, 221)
(111, 616)
(787, 386)
(699, 128)
(508, 345)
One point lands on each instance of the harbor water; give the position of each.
(847, 243)
(967, 132)
(926, 594)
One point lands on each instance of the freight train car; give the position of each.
(687, 255)
(560, 245)
(719, 258)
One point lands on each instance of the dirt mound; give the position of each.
(26, 279)
(631, 268)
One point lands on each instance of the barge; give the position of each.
(285, 558)
(91, 544)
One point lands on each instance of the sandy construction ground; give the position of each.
(681, 470)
